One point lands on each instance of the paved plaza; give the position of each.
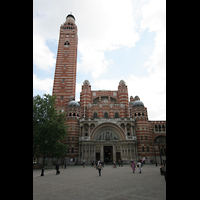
(76, 182)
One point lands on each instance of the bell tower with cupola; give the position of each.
(64, 85)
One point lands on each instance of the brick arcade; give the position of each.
(105, 124)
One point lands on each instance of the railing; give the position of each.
(103, 120)
(131, 138)
(84, 138)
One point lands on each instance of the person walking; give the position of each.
(92, 163)
(99, 167)
(119, 162)
(95, 166)
(139, 165)
(163, 169)
(133, 166)
(62, 163)
(83, 163)
(57, 169)
(65, 162)
(114, 164)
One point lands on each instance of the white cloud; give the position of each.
(78, 90)
(44, 85)
(152, 88)
(105, 84)
(152, 92)
(93, 62)
(154, 19)
(43, 58)
(105, 31)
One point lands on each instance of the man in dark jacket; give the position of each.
(99, 167)
(57, 169)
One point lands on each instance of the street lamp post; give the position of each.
(159, 152)
(42, 174)
(155, 155)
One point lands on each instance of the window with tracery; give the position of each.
(160, 139)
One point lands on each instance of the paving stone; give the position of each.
(77, 182)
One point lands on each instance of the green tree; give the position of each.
(49, 127)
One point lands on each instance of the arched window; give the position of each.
(70, 114)
(123, 126)
(86, 127)
(160, 139)
(105, 115)
(66, 44)
(116, 115)
(74, 114)
(138, 114)
(95, 115)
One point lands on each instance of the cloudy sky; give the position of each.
(117, 40)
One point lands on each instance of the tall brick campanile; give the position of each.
(65, 71)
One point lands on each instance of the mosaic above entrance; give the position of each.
(107, 135)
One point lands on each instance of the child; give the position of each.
(133, 166)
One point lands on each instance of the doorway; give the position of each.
(118, 156)
(108, 154)
(97, 156)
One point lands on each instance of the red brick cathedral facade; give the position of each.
(105, 125)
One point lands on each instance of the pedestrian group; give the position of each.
(99, 165)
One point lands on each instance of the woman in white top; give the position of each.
(139, 166)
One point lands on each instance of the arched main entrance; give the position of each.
(107, 138)
(107, 142)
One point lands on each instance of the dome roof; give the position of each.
(70, 15)
(122, 82)
(86, 82)
(73, 104)
(137, 103)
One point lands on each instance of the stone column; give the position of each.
(101, 156)
(79, 153)
(126, 129)
(89, 152)
(121, 151)
(136, 153)
(94, 153)
(114, 153)
(82, 152)
(132, 131)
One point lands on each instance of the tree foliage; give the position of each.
(49, 127)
